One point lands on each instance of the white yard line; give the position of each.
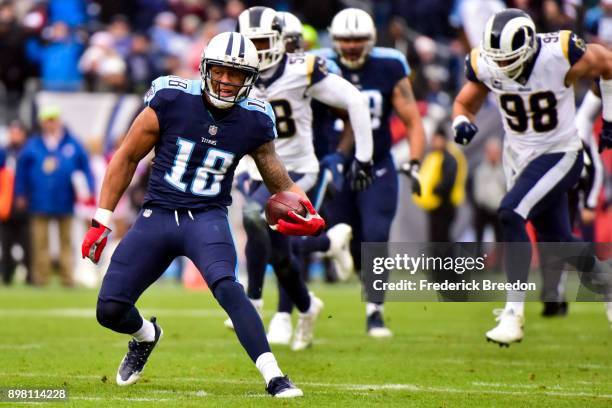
(20, 346)
(532, 391)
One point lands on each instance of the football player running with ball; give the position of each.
(200, 129)
(532, 77)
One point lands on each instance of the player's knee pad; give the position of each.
(111, 313)
(513, 225)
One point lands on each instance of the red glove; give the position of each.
(312, 224)
(94, 241)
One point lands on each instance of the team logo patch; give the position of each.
(212, 130)
(579, 42)
(150, 92)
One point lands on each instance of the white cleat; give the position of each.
(340, 236)
(304, 332)
(280, 329)
(609, 312)
(376, 327)
(258, 303)
(508, 330)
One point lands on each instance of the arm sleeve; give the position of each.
(316, 69)
(471, 65)
(269, 124)
(154, 98)
(573, 46)
(336, 91)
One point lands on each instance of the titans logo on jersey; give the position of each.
(196, 155)
(383, 69)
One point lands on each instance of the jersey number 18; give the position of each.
(208, 177)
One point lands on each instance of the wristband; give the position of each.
(103, 216)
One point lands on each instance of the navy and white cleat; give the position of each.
(282, 387)
(133, 363)
(375, 326)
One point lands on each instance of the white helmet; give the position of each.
(258, 23)
(509, 42)
(291, 31)
(352, 23)
(229, 50)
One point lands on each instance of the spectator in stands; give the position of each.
(71, 12)
(103, 67)
(598, 23)
(14, 222)
(13, 64)
(57, 55)
(46, 168)
(119, 29)
(140, 65)
(489, 189)
(443, 176)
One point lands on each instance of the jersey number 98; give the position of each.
(542, 110)
(208, 177)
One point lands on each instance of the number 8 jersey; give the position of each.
(286, 89)
(538, 112)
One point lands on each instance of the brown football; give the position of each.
(280, 204)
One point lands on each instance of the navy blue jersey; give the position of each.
(196, 155)
(383, 69)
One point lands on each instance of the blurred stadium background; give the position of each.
(93, 61)
(86, 64)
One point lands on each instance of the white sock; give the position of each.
(146, 332)
(257, 303)
(373, 307)
(268, 367)
(516, 301)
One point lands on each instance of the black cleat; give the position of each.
(553, 309)
(282, 387)
(375, 326)
(133, 363)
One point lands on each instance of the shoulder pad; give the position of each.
(390, 53)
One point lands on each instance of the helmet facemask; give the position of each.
(272, 54)
(512, 63)
(212, 87)
(355, 57)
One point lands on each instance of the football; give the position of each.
(280, 204)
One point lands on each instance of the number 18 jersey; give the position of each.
(538, 115)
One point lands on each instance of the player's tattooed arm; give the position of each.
(140, 139)
(469, 100)
(405, 106)
(273, 171)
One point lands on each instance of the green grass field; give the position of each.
(437, 358)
